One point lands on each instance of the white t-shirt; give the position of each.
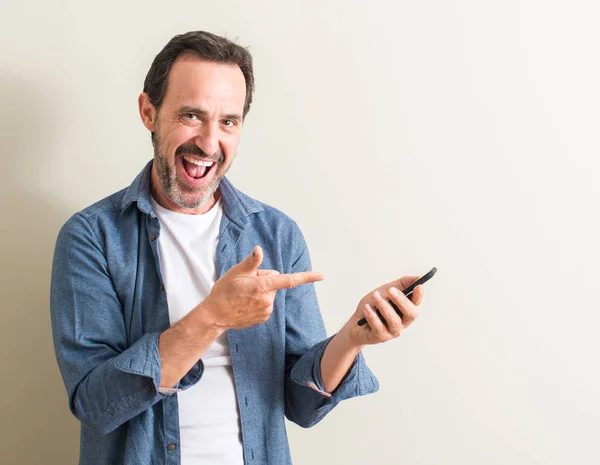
(209, 419)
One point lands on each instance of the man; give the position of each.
(185, 320)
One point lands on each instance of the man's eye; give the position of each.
(229, 123)
(191, 116)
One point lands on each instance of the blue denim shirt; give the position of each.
(108, 307)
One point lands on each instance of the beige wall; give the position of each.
(461, 135)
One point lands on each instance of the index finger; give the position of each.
(287, 281)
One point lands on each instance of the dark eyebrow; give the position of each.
(188, 109)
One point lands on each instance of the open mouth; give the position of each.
(195, 168)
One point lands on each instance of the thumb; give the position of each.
(251, 263)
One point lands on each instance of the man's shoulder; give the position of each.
(262, 212)
(273, 216)
(107, 205)
(115, 205)
(276, 215)
(101, 211)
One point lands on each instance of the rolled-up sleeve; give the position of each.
(108, 378)
(307, 402)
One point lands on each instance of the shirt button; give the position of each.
(153, 237)
(162, 288)
(172, 447)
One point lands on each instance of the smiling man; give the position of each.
(184, 314)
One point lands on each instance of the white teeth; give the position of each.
(198, 162)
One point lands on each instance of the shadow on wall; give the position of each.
(36, 425)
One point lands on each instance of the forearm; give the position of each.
(181, 346)
(337, 360)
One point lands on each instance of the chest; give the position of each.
(146, 293)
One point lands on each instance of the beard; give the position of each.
(177, 190)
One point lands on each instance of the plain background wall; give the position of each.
(400, 136)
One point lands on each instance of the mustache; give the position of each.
(190, 148)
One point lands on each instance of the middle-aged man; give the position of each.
(184, 314)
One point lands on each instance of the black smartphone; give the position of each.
(407, 292)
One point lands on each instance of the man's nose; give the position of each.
(207, 139)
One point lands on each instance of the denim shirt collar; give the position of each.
(236, 205)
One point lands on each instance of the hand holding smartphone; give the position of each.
(407, 292)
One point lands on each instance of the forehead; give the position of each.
(193, 81)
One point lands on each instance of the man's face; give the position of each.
(198, 123)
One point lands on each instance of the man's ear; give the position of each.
(147, 111)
